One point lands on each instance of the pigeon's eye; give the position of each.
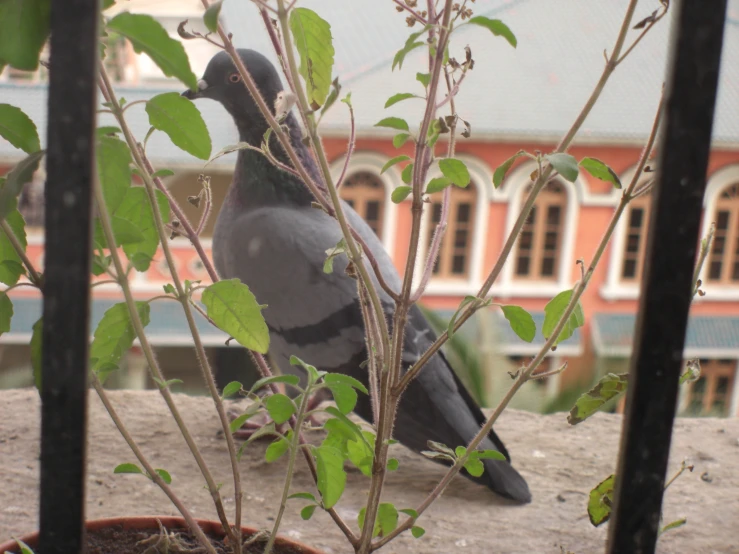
(234, 77)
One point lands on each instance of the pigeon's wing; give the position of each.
(279, 252)
(436, 406)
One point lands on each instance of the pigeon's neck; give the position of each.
(259, 182)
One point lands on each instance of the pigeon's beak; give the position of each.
(192, 95)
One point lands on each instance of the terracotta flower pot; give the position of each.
(211, 528)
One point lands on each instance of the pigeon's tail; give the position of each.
(502, 478)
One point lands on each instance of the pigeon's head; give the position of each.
(222, 82)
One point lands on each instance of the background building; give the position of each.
(523, 98)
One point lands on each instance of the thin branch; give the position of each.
(413, 12)
(349, 148)
(18, 247)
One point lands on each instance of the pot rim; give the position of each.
(150, 522)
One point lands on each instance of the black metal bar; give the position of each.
(656, 363)
(70, 172)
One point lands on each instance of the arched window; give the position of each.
(637, 223)
(723, 260)
(456, 248)
(365, 192)
(540, 242)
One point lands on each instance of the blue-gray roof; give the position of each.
(708, 336)
(531, 92)
(168, 326)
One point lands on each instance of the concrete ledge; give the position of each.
(561, 464)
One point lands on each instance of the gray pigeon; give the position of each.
(268, 235)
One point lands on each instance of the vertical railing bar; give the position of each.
(68, 194)
(664, 306)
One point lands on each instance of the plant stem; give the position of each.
(151, 472)
(705, 249)
(18, 247)
(105, 220)
(294, 447)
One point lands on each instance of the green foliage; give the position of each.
(264, 381)
(407, 174)
(168, 383)
(395, 98)
(18, 129)
(315, 45)
(500, 172)
(136, 210)
(307, 512)
(24, 27)
(276, 449)
(114, 172)
(128, 468)
(25, 549)
(387, 517)
(148, 36)
(164, 474)
(424, 79)
(331, 474)
(233, 308)
(521, 322)
(6, 312)
(674, 525)
(393, 123)
(340, 378)
(332, 254)
(609, 386)
(600, 501)
(231, 389)
(114, 336)
(410, 44)
(21, 174)
(565, 165)
(438, 184)
(250, 412)
(400, 193)
(553, 312)
(497, 27)
(601, 171)
(11, 267)
(417, 532)
(181, 120)
(280, 407)
(210, 17)
(390, 163)
(400, 139)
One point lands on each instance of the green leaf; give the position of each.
(488, 455)
(400, 193)
(18, 129)
(24, 27)
(276, 449)
(331, 474)
(303, 495)
(565, 165)
(409, 512)
(307, 512)
(313, 373)
(346, 380)
(114, 172)
(148, 36)
(503, 168)
(162, 173)
(393, 123)
(609, 386)
(25, 549)
(232, 388)
(395, 98)
(400, 139)
(6, 312)
(21, 174)
(164, 474)
(315, 45)
(474, 467)
(168, 383)
(601, 171)
(438, 184)
(360, 522)
(554, 310)
(674, 525)
(423, 78)
(460, 451)
(350, 429)
(264, 381)
(410, 44)
(181, 120)
(136, 209)
(387, 515)
(107, 130)
(407, 174)
(36, 352)
(392, 464)
(361, 452)
(417, 531)
(233, 308)
(497, 27)
(600, 501)
(455, 171)
(390, 163)
(344, 396)
(210, 17)
(332, 254)
(452, 321)
(521, 322)
(114, 336)
(333, 95)
(250, 412)
(128, 468)
(280, 407)
(11, 267)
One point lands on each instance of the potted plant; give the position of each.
(134, 222)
